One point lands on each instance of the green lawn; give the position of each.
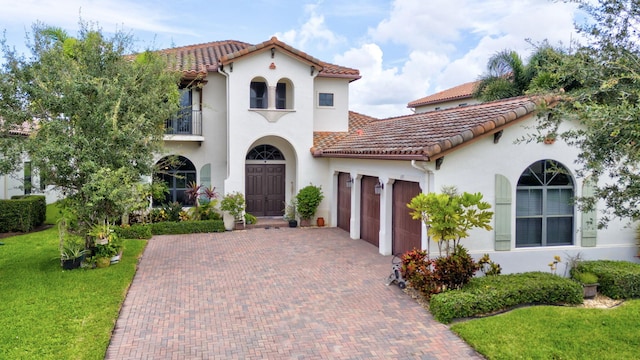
(553, 332)
(48, 313)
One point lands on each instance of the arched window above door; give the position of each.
(265, 152)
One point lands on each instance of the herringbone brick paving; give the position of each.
(276, 293)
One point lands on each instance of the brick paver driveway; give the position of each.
(273, 294)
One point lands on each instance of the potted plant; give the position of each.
(107, 246)
(72, 252)
(589, 283)
(290, 213)
(308, 199)
(234, 204)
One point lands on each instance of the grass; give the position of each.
(49, 313)
(553, 332)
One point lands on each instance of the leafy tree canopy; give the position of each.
(600, 84)
(96, 115)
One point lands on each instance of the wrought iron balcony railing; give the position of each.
(185, 122)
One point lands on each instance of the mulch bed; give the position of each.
(39, 228)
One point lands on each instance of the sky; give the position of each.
(404, 49)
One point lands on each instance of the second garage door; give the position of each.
(407, 232)
(369, 211)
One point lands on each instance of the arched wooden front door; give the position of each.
(265, 181)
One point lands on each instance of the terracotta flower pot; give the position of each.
(320, 221)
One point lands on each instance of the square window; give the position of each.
(325, 99)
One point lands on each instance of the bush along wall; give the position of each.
(23, 213)
(136, 231)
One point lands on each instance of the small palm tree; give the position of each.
(507, 75)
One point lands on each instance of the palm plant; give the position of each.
(508, 76)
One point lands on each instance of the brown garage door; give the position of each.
(406, 231)
(344, 202)
(370, 211)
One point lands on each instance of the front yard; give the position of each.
(48, 313)
(556, 332)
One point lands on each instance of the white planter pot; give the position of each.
(229, 221)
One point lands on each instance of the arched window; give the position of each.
(177, 175)
(265, 152)
(284, 94)
(258, 94)
(544, 208)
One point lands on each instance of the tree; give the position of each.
(605, 101)
(96, 115)
(450, 216)
(507, 75)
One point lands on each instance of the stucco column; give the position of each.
(271, 97)
(355, 206)
(385, 236)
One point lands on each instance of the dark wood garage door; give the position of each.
(344, 202)
(406, 231)
(369, 211)
(265, 189)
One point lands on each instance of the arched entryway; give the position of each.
(265, 173)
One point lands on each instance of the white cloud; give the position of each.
(449, 43)
(312, 35)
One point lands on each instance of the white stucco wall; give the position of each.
(334, 118)
(248, 127)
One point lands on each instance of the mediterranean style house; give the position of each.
(267, 119)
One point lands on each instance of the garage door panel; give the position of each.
(369, 211)
(407, 232)
(344, 202)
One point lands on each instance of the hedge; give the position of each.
(490, 294)
(187, 227)
(136, 231)
(617, 279)
(22, 213)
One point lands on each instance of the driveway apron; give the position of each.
(277, 293)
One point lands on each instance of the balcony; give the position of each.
(185, 126)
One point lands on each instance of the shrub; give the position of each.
(494, 293)
(235, 204)
(23, 213)
(617, 279)
(417, 270)
(308, 199)
(250, 219)
(456, 269)
(488, 266)
(135, 231)
(187, 227)
(172, 210)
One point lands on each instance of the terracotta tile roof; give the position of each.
(455, 93)
(326, 139)
(426, 136)
(197, 60)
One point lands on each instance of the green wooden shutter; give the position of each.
(503, 214)
(205, 175)
(589, 219)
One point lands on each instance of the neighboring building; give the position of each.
(460, 95)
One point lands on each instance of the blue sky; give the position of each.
(404, 49)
